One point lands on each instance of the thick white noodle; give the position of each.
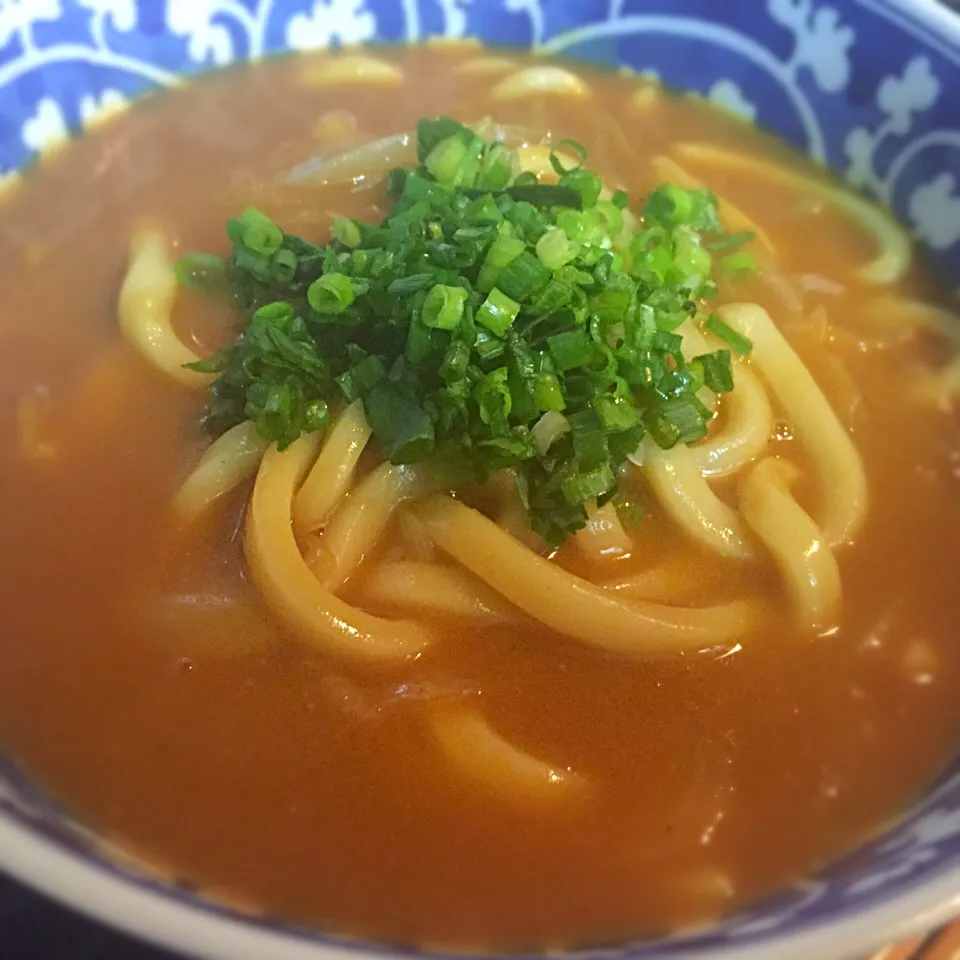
(895, 253)
(290, 588)
(571, 605)
(537, 81)
(145, 306)
(798, 546)
(331, 476)
(232, 458)
(491, 763)
(353, 68)
(356, 528)
(683, 492)
(416, 587)
(840, 474)
(746, 429)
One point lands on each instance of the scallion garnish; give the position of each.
(443, 307)
(489, 321)
(736, 341)
(331, 293)
(497, 312)
(740, 264)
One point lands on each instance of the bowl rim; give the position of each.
(932, 21)
(194, 927)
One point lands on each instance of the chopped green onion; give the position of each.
(201, 271)
(570, 350)
(443, 307)
(684, 414)
(256, 231)
(455, 362)
(347, 232)
(505, 249)
(497, 168)
(586, 183)
(578, 148)
(283, 267)
(554, 249)
(589, 439)
(498, 312)
(731, 241)
(411, 284)
(690, 258)
(663, 432)
(420, 343)
(361, 378)
(740, 264)
(316, 416)
(488, 346)
(431, 132)
(493, 302)
(670, 204)
(523, 277)
(549, 393)
(615, 413)
(737, 341)
(717, 371)
(594, 483)
(402, 426)
(445, 159)
(494, 398)
(331, 293)
(545, 194)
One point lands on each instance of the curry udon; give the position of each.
(525, 529)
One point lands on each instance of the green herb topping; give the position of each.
(490, 321)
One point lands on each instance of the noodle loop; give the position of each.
(289, 586)
(843, 483)
(569, 604)
(146, 302)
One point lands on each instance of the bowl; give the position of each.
(861, 85)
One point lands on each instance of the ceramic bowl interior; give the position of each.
(866, 86)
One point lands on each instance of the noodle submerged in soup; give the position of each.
(669, 628)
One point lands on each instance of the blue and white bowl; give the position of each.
(870, 87)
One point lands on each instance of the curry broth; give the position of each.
(144, 683)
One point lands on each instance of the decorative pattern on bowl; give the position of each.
(862, 85)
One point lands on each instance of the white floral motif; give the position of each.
(934, 208)
(122, 13)
(822, 44)
(93, 108)
(859, 147)
(726, 94)
(332, 21)
(16, 16)
(901, 97)
(206, 40)
(454, 17)
(532, 9)
(46, 127)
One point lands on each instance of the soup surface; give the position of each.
(144, 680)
